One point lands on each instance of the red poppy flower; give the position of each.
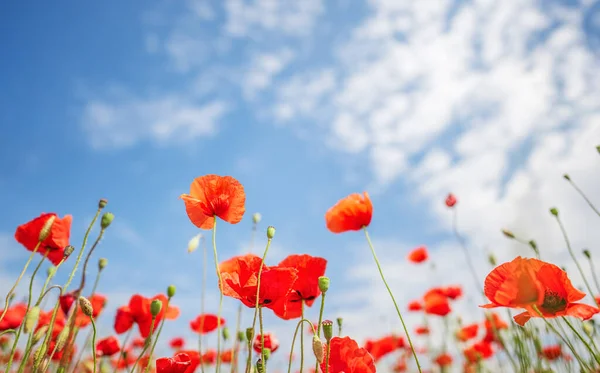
(240, 280)
(138, 312)
(209, 357)
(138, 343)
(422, 330)
(108, 346)
(206, 323)
(125, 361)
(552, 352)
(381, 347)
(467, 332)
(13, 317)
(98, 302)
(227, 356)
(305, 288)
(415, 305)
(450, 200)
(54, 245)
(418, 255)
(176, 364)
(194, 360)
(443, 360)
(532, 283)
(478, 351)
(346, 357)
(213, 195)
(493, 321)
(400, 366)
(436, 303)
(350, 214)
(271, 342)
(59, 322)
(177, 343)
(452, 292)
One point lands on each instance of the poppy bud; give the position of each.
(31, 319)
(39, 334)
(256, 218)
(171, 291)
(260, 366)
(323, 284)
(317, 347)
(46, 229)
(194, 243)
(587, 253)
(155, 307)
(508, 233)
(86, 306)
(107, 218)
(102, 203)
(51, 271)
(554, 211)
(270, 232)
(102, 263)
(61, 340)
(39, 354)
(492, 260)
(567, 177)
(327, 326)
(266, 352)
(68, 251)
(241, 336)
(588, 328)
(533, 245)
(225, 333)
(249, 334)
(339, 321)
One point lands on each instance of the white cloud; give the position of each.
(263, 68)
(162, 120)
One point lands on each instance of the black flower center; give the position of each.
(553, 303)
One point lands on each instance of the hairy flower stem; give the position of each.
(12, 290)
(318, 329)
(94, 332)
(145, 345)
(262, 341)
(294, 341)
(568, 243)
(162, 323)
(122, 351)
(587, 200)
(585, 343)
(414, 353)
(203, 301)
(220, 310)
(262, 263)
(302, 338)
(594, 276)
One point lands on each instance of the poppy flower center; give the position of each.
(553, 302)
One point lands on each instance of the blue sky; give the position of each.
(304, 103)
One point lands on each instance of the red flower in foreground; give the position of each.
(138, 312)
(350, 214)
(206, 323)
(177, 343)
(418, 255)
(108, 346)
(54, 245)
(450, 200)
(383, 346)
(214, 196)
(240, 281)
(305, 288)
(346, 357)
(271, 342)
(536, 286)
(176, 364)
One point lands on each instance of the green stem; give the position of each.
(318, 331)
(123, 349)
(262, 263)
(594, 276)
(162, 323)
(214, 242)
(566, 237)
(145, 346)
(584, 196)
(94, 342)
(468, 258)
(202, 301)
(589, 348)
(12, 290)
(302, 338)
(262, 341)
(327, 359)
(236, 342)
(393, 299)
(294, 341)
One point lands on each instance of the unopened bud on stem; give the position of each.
(256, 218)
(155, 307)
(47, 228)
(107, 218)
(86, 306)
(102, 203)
(317, 347)
(324, 284)
(270, 232)
(102, 263)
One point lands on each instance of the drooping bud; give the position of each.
(31, 319)
(554, 211)
(327, 326)
(260, 368)
(68, 251)
(86, 306)
(508, 233)
(492, 260)
(225, 333)
(270, 232)
(46, 229)
(324, 284)
(155, 307)
(317, 347)
(249, 334)
(241, 336)
(102, 203)
(171, 291)
(256, 218)
(194, 243)
(61, 340)
(102, 263)
(587, 253)
(567, 177)
(107, 218)
(39, 334)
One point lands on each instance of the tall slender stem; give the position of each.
(594, 276)
(162, 324)
(468, 258)
(587, 200)
(202, 302)
(302, 338)
(220, 310)
(294, 341)
(262, 341)
(94, 332)
(123, 349)
(393, 300)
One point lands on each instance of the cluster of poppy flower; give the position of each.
(537, 288)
